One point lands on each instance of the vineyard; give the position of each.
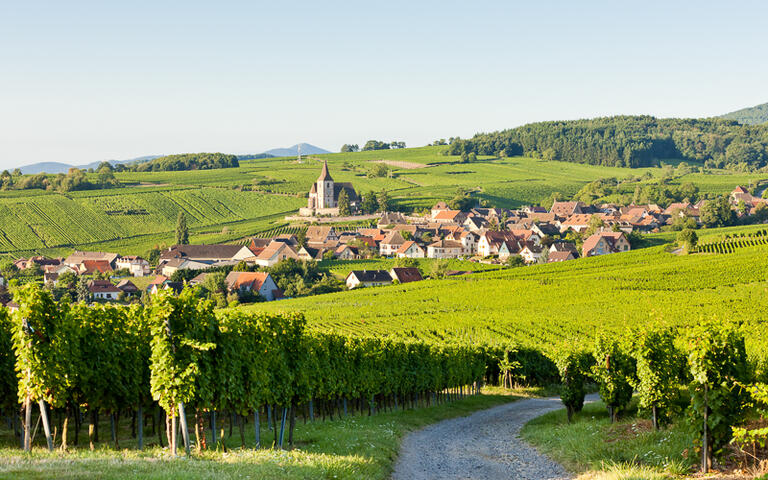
(732, 243)
(50, 221)
(178, 360)
(543, 304)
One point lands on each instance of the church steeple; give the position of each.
(324, 175)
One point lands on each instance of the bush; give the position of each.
(614, 371)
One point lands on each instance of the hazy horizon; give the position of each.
(86, 81)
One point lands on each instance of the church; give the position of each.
(324, 195)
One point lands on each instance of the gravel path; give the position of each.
(484, 445)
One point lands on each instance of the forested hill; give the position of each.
(188, 161)
(749, 116)
(629, 141)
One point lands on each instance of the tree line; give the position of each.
(629, 141)
(186, 161)
(75, 179)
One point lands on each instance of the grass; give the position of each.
(597, 449)
(358, 447)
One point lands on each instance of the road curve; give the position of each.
(484, 445)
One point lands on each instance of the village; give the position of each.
(526, 236)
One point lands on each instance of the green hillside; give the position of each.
(749, 116)
(540, 305)
(228, 204)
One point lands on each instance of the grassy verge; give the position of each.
(592, 446)
(358, 447)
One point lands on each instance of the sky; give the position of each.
(86, 81)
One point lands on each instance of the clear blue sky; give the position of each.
(85, 81)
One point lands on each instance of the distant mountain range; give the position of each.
(749, 116)
(58, 167)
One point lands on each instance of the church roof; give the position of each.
(324, 175)
(313, 189)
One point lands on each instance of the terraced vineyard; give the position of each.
(56, 220)
(730, 244)
(540, 305)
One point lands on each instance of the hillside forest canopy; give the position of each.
(187, 161)
(629, 141)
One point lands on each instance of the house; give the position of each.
(410, 249)
(444, 249)
(605, 242)
(127, 287)
(42, 262)
(137, 266)
(468, 241)
(321, 234)
(544, 229)
(566, 209)
(177, 287)
(91, 267)
(256, 282)
(405, 274)
(560, 256)
(207, 254)
(475, 223)
(79, 257)
(346, 252)
(439, 207)
(531, 252)
(490, 241)
(103, 290)
(368, 278)
(563, 247)
(578, 222)
(275, 252)
(158, 282)
(391, 218)
(391, 244)
(508, 248)
(199, 279)
(172, 266)
(51, 273)
(450, 216)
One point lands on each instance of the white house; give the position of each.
(368, 278)
(391, 244)
(257, 282)
(444, 249)
(103, 290)
(410, 249)
(275, 252)
(137, 266)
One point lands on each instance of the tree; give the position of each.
(370, 203)
(301, 238)
(375, 145)
(383, 200)
(348, 148)
(688, 239)
(717, 213)
(182, 232)
(343, 203)
(761, 212)
(596, 224)
(515, 261)
(378, 170)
